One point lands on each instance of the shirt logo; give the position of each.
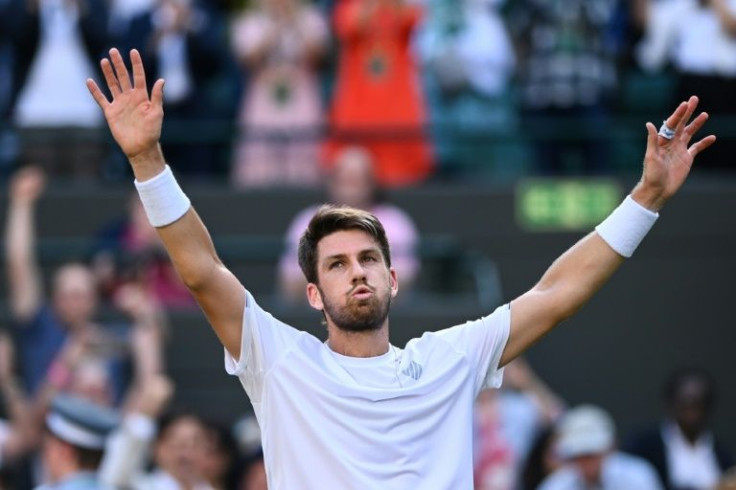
(413, 370)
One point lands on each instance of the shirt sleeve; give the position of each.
(264, 340)
(483, 342)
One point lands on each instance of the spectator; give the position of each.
(527, 406)
(467, 59)
(74, 443)
(128, 448)
(217, 463)
(253, 473)
(60, 129)
(697, 37)
(19, 38)
(585, 442)
(280, 43)
(541, 461)
(177, 454)
(352, 182)
(378, 102)
(567, 77)
(493, 459)
(129, 251)
(184, 42)
(18, 432)
(683, 450)
(57, 338)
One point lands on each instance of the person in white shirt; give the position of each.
(356, 411)
(585, 441)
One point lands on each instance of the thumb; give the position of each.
(651, 135)
(157, 93)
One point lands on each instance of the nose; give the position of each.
(358, 272)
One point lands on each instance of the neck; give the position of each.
(358, 344)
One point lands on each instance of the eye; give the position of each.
(336, 265)
(370, 258)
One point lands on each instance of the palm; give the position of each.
(134, 119)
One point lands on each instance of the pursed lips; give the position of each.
(360, 290)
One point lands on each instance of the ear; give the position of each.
(393, 281)
(314, 297)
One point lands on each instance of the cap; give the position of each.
(80, 422)
(586, 429)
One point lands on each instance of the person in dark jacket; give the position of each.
(683, 449)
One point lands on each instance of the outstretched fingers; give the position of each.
(110, 78)
(692, 104)
(97, 94)
(120, 69)
(701, 145)
(139, 74)
(694, 126)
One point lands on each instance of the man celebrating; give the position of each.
(355, 411)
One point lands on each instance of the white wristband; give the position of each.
(162, 198)
(626, 226)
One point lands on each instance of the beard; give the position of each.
(359, 315)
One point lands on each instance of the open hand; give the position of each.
(667, 162)
(134, 118)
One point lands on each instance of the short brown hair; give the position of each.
(329, 219)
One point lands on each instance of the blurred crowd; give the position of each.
(267, 92)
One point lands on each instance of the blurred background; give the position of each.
(488, 135)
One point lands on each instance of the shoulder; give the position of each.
(564, 478)
(42, 322)
(633, 471)
(459, 337)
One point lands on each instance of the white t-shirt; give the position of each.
(401, 420)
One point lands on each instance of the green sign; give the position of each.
(565, 205)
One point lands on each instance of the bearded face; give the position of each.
(365, 309)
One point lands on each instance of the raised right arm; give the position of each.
(135, 122)
(24, 276)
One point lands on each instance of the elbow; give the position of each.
(198, 279)
(561, 303)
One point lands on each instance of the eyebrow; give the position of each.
(363, 252)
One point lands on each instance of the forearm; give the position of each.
(20, 259)
(186, 239)
(127, 451)
(148, 355)
(190, 247)
(576, 276)
(564, 288)
(19, 410)
(581, 271)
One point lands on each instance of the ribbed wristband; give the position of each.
(626, 226)
(162, 198)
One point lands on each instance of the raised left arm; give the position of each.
(583, 269)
